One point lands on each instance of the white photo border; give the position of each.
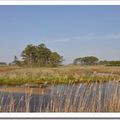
(60, 116)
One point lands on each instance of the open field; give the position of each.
(60, 75)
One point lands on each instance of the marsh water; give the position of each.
(39, 99)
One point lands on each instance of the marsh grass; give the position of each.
(87, 97)
(60, 75)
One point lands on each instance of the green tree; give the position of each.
(29, 55)
(16, 61)
(89, 60)
(43, 55)
(55, 59)
(113, 63)
(40, 56)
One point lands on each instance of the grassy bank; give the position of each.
(60, 75)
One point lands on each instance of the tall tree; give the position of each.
(29, 55)
(16, 61)
(43, 55)
(40, 56)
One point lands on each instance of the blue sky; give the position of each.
(72, 31)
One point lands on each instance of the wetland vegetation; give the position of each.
(60, 75)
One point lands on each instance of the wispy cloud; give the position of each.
(58, 40)
(87, 37)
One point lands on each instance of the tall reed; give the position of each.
(85, 97)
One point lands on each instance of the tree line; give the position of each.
(41, 56)
(92, 60)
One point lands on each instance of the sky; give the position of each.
(72, 31)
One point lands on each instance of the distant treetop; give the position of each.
(88, 60)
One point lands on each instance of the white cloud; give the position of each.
(58, 40)
(87, 37)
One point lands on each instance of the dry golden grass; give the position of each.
(60, 75)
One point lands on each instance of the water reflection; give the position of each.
(77, 95)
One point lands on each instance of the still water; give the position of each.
(77, 95)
